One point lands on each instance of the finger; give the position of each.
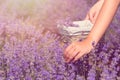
(80, 54)
(67, 51)
(69, 48)
(73, 54)
(87, 17)
(69, 54)
(91, 17)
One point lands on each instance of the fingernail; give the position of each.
(67, 61)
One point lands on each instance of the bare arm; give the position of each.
(94, 11)
(104, 18)
(77, 49)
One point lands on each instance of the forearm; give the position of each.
(103, 20)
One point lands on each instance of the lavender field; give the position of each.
(32, 49)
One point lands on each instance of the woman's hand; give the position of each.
(94, 11)
(77, 49)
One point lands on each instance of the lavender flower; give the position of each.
(30, 52)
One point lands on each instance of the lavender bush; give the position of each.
(29, 52)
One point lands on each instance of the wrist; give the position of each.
(93, 41)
